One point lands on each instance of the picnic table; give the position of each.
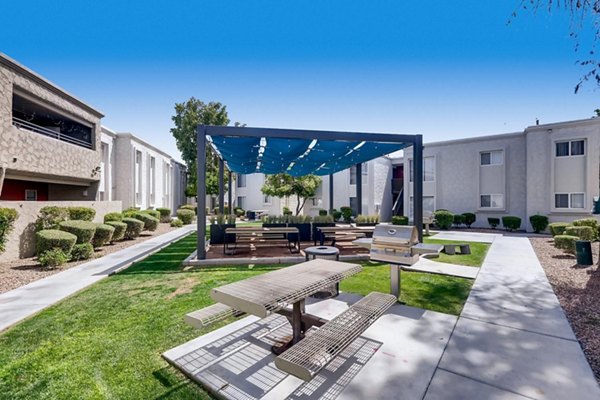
(341, 232)
(274, 291)
(257, 235)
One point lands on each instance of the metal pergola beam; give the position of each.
(229, 193)
(203, 130)
(221, 186)
(358, 189)
(330, 194)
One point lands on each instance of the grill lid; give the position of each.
(395, 235)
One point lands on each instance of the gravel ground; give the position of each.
(578, 289)
(21, 272)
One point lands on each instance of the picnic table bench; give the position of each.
(334, 233)
(276, 291)
(258, 236)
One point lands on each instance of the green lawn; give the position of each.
(475, 259)
(105, 342)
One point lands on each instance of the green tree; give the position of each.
(284, 185)
(188, 116)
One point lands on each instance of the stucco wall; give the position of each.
(21, 241)
(28, 153)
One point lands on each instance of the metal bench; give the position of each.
(211, 314)
(305, 359)
(261, 236)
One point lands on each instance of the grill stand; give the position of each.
(395, 280)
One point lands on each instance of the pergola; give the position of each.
(248, 150)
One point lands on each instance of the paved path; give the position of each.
(512, 340)
(30, 299)
(466, 236)
(434, 267)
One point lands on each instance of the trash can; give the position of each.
(583, 250)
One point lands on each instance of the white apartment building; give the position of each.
(139, 174)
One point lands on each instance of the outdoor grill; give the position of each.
(395, 244)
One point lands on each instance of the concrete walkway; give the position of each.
(434, 267)
(30, 299)
(512, 340)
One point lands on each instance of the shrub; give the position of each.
(50, 217)
(165, 214)
(225, 210)
(84, 230)
(443, 219)
(558, 228)
(287, 211)
(83, 251)
(153, 213)
(322, 212)
(459, 219)
(239, 212)
(582, 232)
(399, 220)
(113, 216)
(150, 223)
(129, 213)
(192, 208)
(120, 228)
(494, 222)
(470, 219)
(134, 227)
(176, 223)
(346, 213)
(565, 242)
(81, 213)
(323, 219)
(539, 223)
(591, 222)
(336, 214)
(186, 216)
(367, 219)
(7, 221)
(53, 258)
(49, 239)
(511, 223)
(103, 235)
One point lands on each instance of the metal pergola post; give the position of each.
(418, 185)
(358, 189)
(330, 194)
(221, 185)
(201, 191)
(229, 194)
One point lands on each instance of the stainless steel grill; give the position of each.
(395, 244)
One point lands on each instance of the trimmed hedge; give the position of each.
(539, 223)
(113, 216)
(49, 239)
(470, 219)
(582, 232)
(83, 251)
(134, 227)
(190, 207)
(150, 223)
(459, 219)
(239, 212)
(165, 214)
(565, 243)
(81, 213)
(120, 228)
(50, 217)
(494, 222)
(103, 235)
(185, 215)
(176, 223)
(154, 213)
(511, 223)
(591, 222)
(558, 228)
(322, 212)
(84, 230)
(443, 219)
(346, 213)
(7, 221)
(399, 220)
(53, 258)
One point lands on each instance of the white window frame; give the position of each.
(570, 141)
(411, 214)
(241, 178)
(492, 201)
(490, 152)
(411, 169)
(570, 201)
(152, 183)
(267, 200)
(137, 176)
(241, 204)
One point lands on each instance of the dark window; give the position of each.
(561, 200)
(577, 148)
(562, 149)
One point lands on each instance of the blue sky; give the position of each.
(446, 69)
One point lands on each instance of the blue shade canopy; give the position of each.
(297, 157)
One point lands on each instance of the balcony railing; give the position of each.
(22, 124)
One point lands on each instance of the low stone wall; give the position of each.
(21, 241)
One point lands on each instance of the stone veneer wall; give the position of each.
(36, 154)
(21, 241)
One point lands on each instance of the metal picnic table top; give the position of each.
(265, 294)
(256, 230)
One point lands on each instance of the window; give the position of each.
(353, 205)
(491, 201)
(267, 199)
(364, 172)
(428, 169)
(138, 177)
(492, 157)
(241, 181)
(569, 200)
(30, 195)
(428, 206)
(241, 202)
(570, 148)
(152, 180)
(103, 172)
